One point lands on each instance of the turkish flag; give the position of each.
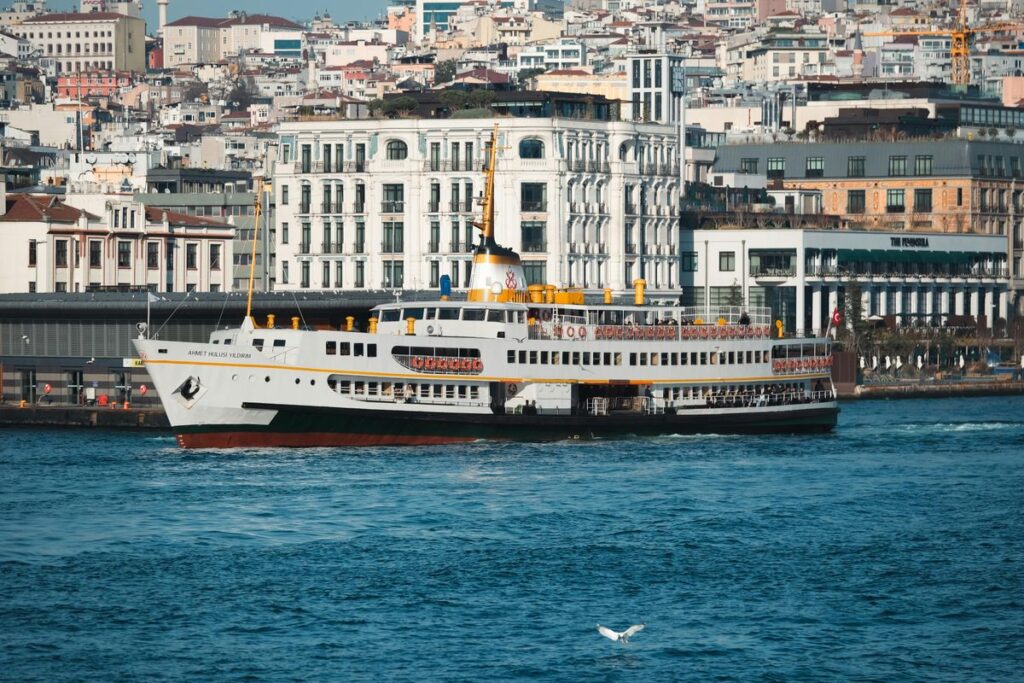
(837, 317)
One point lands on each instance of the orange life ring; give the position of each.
(570, 331)
(478, 365)
(417, 362)
(582, 333)
(429, 363)
(466, 365)
(442, 364)
(598, 333)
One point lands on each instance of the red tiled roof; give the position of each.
(207, 22)
(27, 207)
(155, 214)
(247, 20)
(483, 74)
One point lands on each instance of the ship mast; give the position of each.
(257, 212)
(487, 220)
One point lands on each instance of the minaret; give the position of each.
(161, 6)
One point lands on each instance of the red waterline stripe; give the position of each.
(299, 439)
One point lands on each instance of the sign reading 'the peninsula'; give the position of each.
(909, 241)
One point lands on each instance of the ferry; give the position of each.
(511, 362)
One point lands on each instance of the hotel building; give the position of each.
(390, 203)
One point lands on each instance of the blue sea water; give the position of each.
(890, 550)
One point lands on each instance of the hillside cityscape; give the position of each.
(803, 156)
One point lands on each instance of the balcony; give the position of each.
(578, 166)
(631, 248)
(359, 207)
(535, 247)
(534, 207)
(461, 207)
(631, 210)
(392, 207)
(895, 208)
(358, 166)
(358, 247)
(437, 165)
(304, 208)
(392, 248)
(327, 207)
(766, 273)
(433, 207)
(304, 249)
(434, 247)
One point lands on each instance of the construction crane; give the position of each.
(960, 41)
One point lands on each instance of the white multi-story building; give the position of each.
(87, 41)
(921, 279)
(560, 54)
(55, 247)
(369, 204)
(205, 40)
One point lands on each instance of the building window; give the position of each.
(533, 197)
(535, 272)
(688, 261)
(95, 253)
(748, 165)
(855, 167)
(894, 201)
(856, 201)
(922, 200)
(214, 257)
(284, 233)
(284, 272)
(304, 281)
(33, 253)
(360, 280)
(152, 256)
(815, 167)
(959, 196)
(923, 165)
(397, 150)
(727, 261)
(531, 148)
(339, 272)
(394, 198)
(897, 166)
(124, 254)
(394, 274)
(284, 195)
(534, 236)
(776, 167)
(327, 274)
(190, 256)
(393, 237)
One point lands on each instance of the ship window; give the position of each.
(227, 342)
(473, 314)
(257, 344)
(343, 349)
(643, 359)
(414, 313)
(216, 341)
(448, 314)
(618, 359)
(664, 359)
(474, 392)
(597, 358)
(495, 316)
(543, 357)
(732, 358)
(332, 348)
(371, 388)
(675, 359)
(632, 359)
(721, 358)
(703, 358)
(462, 391)
(533, 357)
(360, 388)
(511, 356)
(390, 315)
(575, 357)
(522, 356)
(345, 387)
(449, 391)
(371, 350)
(358, 348)
(556, 358)
(278, 343)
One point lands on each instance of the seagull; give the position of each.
(622, 637)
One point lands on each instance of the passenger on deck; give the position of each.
(744, 318)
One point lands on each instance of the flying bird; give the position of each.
(623, 636)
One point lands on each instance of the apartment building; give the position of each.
(87, 41)
(369, 204)
(56, 247)
(206, 40)
(922, 186)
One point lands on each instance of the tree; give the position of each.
(400, 106)
(524, 76)
(480, 99)
(444, 71)
(375, 107)
(241, 95)
(454, 99)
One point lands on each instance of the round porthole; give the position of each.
(312, 382)
(297, 380)
(267, 378)
(234, 378)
